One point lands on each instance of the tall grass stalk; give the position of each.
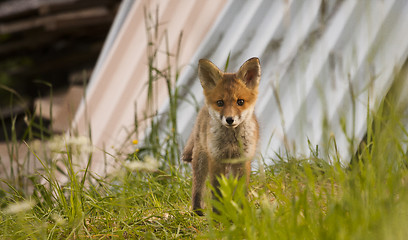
(16, 174)
(162, 140)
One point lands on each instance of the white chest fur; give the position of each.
(232, 143)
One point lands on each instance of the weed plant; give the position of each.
(162, 139)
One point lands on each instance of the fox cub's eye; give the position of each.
(240, 102)
(220, 103)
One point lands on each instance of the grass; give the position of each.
(131, 205)
(149, 196)
(293, 199)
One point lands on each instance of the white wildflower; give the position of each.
(57, 144)
(79, 141)
(19, 207)
(59, 220)
(268, 204)
(37, 146)
(150, 164)
(80, 144)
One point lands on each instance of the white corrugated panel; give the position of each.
(117, 91)
(325, 63)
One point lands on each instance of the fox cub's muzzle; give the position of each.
(229, 120)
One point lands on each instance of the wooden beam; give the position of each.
(16, 7)
(13, 9)
(60, 61)
(51, 22)
(32, 41)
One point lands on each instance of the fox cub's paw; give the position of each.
(198, 212)
(187, 156)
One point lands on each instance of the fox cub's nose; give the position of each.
(229, 120)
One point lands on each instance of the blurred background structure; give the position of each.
(48, 49)
(324, 63)
(49, 44)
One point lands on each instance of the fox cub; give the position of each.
(225, 136)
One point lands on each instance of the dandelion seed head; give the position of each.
(57, 144)
(59, 220)
(80, 144)
(150, 164)
(20, 207)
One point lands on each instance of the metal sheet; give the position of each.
(326, 62)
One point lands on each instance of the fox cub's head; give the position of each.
(230, 97)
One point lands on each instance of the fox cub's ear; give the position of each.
(250, 72)
(208, 74)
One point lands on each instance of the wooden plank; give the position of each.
(61, 61)
(36, 39)
(13, 9)
(16, 7)
(50, 22)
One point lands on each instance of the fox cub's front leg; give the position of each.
(200, 171)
